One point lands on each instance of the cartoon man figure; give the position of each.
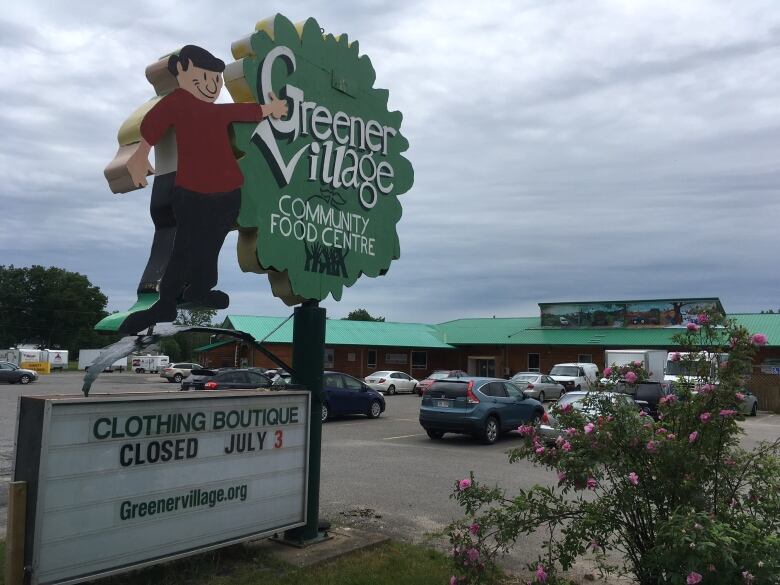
(207, 190)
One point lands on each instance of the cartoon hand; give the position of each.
(276, 108)
(139, 167)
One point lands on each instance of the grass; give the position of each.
(392, 563)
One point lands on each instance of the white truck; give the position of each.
(88, 356)
(149, 363)
(689, 368)
(653, 360)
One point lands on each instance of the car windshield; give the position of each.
(524, 377)
(379, 375)
(564, 371)
(439, 375)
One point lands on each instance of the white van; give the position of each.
(575, 376)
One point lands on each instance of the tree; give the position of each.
(196, 317)
(49, 307)
(362, 315)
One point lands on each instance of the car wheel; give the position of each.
(391, 389)
(325, 412)
(578, 388)
(541, 396)
(25, 379)
(375, 409)
(177, 378)
(436, 435)
(754, 410)
(490, 431)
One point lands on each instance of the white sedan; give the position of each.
(389, 382)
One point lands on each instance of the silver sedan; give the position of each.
(539, 386)
(391, 382)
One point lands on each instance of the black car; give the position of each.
(344, 394)
(647, 394)
(225, 379)
(14, 374)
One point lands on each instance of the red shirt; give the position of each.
(206, 162)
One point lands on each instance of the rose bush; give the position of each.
(671, 502)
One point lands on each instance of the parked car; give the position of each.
(575, 376)
(177, 372)
(344, 394)
(391, 382)
(279, 377)
(483, 407)
(539, 386)
(750, 404)
(647, 393)
(225, 379)
(423, 385)
(13, 374)
(586, 402)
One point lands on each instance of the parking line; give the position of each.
(403, 436)
(409, 419)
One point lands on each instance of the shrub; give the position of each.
(677, 499)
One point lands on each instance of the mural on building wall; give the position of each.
(658, 313)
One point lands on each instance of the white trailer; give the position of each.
(653, 360)
(19, 356)
(58, 359)
(149, 363)
(88, 356)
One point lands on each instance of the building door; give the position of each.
(486, 368)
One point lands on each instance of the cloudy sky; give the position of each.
(563, 150)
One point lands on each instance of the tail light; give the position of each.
(530, 386)
(168, 369)
(545, 417)
(381, 381)
(471, 398)
(210, 385)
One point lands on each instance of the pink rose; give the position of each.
(474, 528)
(525, 430)
(453, 580)
(727, 412)
(464, 484)
(541, 575)
(539, 451)
(472, 555)
(693, 578)
(758, 339)
(693, 436)
(705, 417)
(631, 377)
(637, 363)
(674, 356)
(692, 327)
(671, 436)
(747, 576)
(567, 408)
(633, 478)
(566, 446)
(571, 431)
(607, 372)
(703, 319)
(651, 446)
(592, 483)
(561, 477)
(589, 428)
(740, 396)
(706, 388)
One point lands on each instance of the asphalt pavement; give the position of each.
(383, 474)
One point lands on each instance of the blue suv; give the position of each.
(483, 407)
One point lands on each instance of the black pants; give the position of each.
(161, 210)
(203, 220)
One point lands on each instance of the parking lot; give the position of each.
(383, 474)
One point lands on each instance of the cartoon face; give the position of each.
(202, 83)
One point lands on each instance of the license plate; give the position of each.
(443, 403)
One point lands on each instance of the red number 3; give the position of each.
(279, 439)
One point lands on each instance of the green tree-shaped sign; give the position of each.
(320, 196)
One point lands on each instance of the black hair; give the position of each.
(199, 56)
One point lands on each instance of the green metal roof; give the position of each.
(527, 331)
(505, 331)
(214, 345)
(341, 332)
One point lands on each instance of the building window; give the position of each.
(533, 362)
(351, 357)
(396, 358)
(420, 360)
(330, 357)
(371, 358)
(584, 358)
